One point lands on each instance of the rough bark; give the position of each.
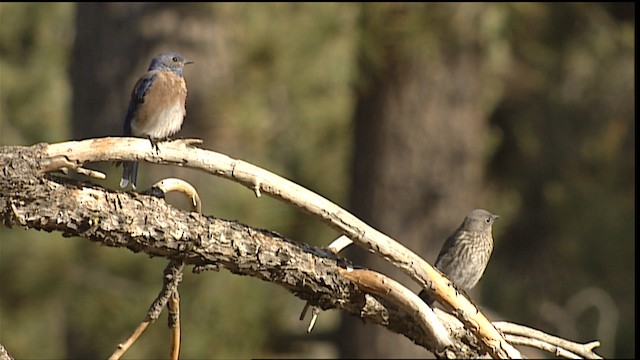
(145, 223)
(32, 197)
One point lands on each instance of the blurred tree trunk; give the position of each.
(420, 139)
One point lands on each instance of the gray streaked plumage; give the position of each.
(465, 254)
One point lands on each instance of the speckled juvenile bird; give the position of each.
(157, 106)
(465, 254)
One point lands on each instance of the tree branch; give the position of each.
(259, 181)
(119, 219)
(116, 219)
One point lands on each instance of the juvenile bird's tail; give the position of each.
(426, 298)
(129, 174)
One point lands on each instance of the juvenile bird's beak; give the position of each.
(187, 62)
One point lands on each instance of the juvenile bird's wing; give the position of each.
(140, 89)
(446, 253)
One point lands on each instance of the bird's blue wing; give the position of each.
(140, 89)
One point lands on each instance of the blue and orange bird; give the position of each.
(157, 107)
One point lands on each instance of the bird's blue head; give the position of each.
(169, 61)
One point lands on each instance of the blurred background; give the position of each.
(407, 115)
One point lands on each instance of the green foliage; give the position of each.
(35, 40)
(560, 153)
(567, 163)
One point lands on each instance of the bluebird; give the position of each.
(157, 106)
(465, 254)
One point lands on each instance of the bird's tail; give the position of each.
(129, 174)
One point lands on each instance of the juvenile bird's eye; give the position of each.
(175, 59)
(488, 220)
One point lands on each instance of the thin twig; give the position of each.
(557, 345)
(169, 295)
(62, 163)
(336, 246)
(125, 345)
(174, 321)
(173, 306)
(542, 345)
(171, 279)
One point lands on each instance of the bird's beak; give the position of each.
(187, 62)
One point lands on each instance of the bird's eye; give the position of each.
(175, 59)
(488, 220)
